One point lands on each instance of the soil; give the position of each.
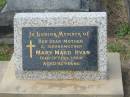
(117, 15)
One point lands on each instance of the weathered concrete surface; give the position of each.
(3, 67)
(11, 87)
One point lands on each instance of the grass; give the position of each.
(123, 30)
(2, 3)
(120, 45)
(5, 52)
(117, 15)
(116, 47)
(121, 41)
(118, 28)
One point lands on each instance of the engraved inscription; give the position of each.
(60, 48)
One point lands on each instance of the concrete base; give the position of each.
(11, 87)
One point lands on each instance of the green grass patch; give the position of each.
(2, 3)
(123, 30)
(5, 52)
(116, 47)
(121, 48)
(129, 42)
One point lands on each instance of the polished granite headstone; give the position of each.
(60, 45)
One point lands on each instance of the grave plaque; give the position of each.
(62, 45)
(59, 48)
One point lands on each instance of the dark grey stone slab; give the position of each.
(53, 5)
(39, 5)
(6, 35)
(14, 6)
(6, 18)
(127, 5)
(95, 5)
